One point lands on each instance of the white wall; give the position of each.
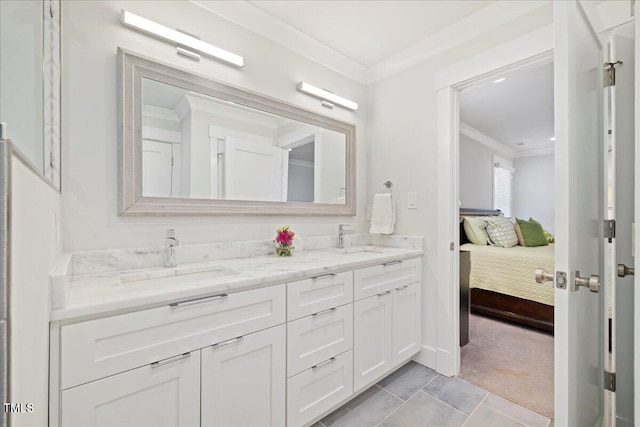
(92, 33)
(476, 173)
(34, 250)
(533, 189)
(402, 126)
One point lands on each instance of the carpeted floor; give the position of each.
(511, 361)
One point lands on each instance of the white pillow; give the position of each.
(475, 230)
(502, 232)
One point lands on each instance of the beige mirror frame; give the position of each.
(132, 68)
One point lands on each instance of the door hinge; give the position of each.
(610, 381)
(452, 246)
(610, 73)
(610, 229)
(172, 162)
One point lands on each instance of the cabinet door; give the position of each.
(406, 322)
(243, 380)
(372, 330)
(163, 394)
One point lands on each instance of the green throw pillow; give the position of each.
(532, 233)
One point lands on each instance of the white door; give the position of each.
(579, 212)
(166, 395)
(244, 380)
(252, 171)
(156, 169)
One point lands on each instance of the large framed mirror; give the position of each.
(193, 146)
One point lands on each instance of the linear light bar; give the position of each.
(325, 95)
(139, 23)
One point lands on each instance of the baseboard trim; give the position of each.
(426, 357)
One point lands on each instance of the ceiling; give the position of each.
(369, 40)
(370, 31)
(516, 110)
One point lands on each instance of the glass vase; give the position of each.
(284, 250)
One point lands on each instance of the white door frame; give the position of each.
(636, 278)
(529, 49)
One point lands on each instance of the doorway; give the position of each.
(506, 163)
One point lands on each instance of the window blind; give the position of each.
(502, 189)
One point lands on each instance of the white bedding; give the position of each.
(511, 271)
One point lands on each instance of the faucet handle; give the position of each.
(171, 233)
(344, 226)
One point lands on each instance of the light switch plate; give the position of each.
(412, 200)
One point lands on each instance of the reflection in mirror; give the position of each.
(190, 145)
(197, 146)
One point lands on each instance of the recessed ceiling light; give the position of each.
(553, 138)
(500, 80)
(520, 143)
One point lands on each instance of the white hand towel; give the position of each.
(383, 215)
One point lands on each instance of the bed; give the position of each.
(502, 282)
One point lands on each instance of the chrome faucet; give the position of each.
(170, 242)
(342, 230)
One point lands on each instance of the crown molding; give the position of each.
(260, 22)
(481, 22)
(535, 152)
(485, 139)
(254, 19)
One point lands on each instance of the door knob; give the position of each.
(623, 270)
(592, 282)
(542, 276)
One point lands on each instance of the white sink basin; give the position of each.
(359, 249)
(176, 276)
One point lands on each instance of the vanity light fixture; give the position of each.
(184, 40)
(328, 98)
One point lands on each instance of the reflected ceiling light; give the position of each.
(184, 40)
(326, 96)
(500, 80)
(553, 138)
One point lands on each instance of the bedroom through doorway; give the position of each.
(506, 179)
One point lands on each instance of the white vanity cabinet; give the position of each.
(386, 318)
(280, 355)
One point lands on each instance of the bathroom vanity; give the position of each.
(259, 341)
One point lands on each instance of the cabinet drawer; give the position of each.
(316, 390)
(102, 347)
(318, 293)
(319, 337)
(384, 277)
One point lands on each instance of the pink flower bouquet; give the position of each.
(284, 241)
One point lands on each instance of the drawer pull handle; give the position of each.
(197, 301)
(171, 360)
(402, 287)
(386, 264)
(227, 342)
(328, 310)
(384, 293)
(322, 276)
(325, 363)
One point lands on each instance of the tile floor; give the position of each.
(418, 396)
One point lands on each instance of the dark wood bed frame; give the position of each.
(518, 310)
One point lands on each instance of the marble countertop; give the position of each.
(95, 295)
